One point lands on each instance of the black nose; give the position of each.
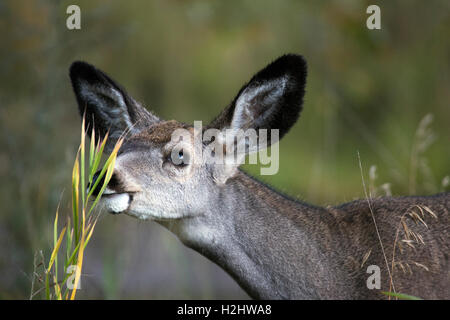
(99, 185)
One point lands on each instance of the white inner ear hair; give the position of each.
(257, 102)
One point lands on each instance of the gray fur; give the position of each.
(273, 246)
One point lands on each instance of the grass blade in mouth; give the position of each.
(80, 226)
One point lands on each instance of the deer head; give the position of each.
(155, 176)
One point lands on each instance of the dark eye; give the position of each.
(180, 155)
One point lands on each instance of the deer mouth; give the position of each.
(114, 199)
(117, 203)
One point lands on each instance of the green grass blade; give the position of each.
(107, 165)
(57, 289)
(91, 155)
(88, 237)
(56, 249)
(80, 257)
(97, 157)
(69, 241)
(108, 176)
(75, 196)
(82, 162)
(400, 295)
(55, 242)
(73, 255)
(47, 287)
(80, 226)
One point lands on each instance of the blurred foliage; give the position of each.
(367, 91)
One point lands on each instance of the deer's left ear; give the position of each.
(272, 99)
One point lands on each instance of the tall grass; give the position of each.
(424, 138)
(79, 227)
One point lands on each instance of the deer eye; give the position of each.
(179, 157)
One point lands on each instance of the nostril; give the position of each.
(95, 177)
(113, 182)
(99, 185)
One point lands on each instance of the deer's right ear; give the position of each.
(106, 104)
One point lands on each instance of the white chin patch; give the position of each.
(117, 203)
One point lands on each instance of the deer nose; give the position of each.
(99, 185)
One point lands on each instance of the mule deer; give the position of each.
(275, 247)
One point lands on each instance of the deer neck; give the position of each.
(259, 237)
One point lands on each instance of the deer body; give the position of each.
(279, 248)
(273, 246)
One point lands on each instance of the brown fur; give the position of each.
(160, 132)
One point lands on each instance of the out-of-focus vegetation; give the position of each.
(367, 91)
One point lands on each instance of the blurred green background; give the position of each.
(368, 91)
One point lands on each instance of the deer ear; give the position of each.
(272, 99)
(106, 104)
